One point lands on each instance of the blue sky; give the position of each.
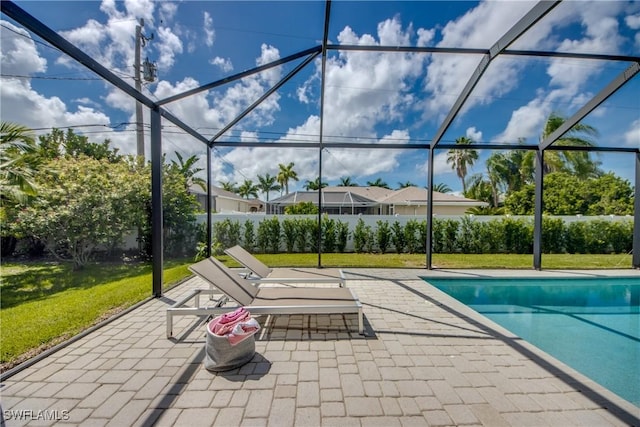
(370, 97)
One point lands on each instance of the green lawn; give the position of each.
(42, 304)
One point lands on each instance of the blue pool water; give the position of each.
(592, 324)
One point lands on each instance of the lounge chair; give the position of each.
(263, 300)
(266, 274)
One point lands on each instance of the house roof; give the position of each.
(329, 198)
(418, 196)
(370, 196)
(223, 194)
(372, 193)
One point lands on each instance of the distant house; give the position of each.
(223, 201)
(377, 201)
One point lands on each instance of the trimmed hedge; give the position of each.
(468, 236)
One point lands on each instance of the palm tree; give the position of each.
(248, 188)
(406, 184)
(575, 162)
(378, 183)
(479, 188)
(267, 184)
(186, 168)
(229, 186)
(315, 184)
(346, 182)
(442, 188)
(460, 159)
(285, 175)
(17, 170)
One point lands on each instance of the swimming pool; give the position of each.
(591, 324)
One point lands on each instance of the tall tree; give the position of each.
(17, 168)
(315, 184)
(406, 184)
(285, 175)
(187, 169)
(462, 158)
(229, 186)
(579, 163)
(83, 204)
(378, 183)
(70, 144)
(267, 184)
(347, 182)
(441, 187)
(248, 188)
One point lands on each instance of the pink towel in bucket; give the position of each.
(243, 330)
(237, 325)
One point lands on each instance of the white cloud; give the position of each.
(168, 45)
(440, 166)
(210, 33)
(632, 136)
(525, 121)
(167, 11)
(22, 104)
(447, 75)
(19, 102)
(87, 101)
(222, 63)
(568, 79)
(474, 134)
(352, 108)
(633, 21)
(140, 9)
(18, 52)
(425, 37)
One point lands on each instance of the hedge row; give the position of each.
(466, 235)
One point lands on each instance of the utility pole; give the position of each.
(138, 82)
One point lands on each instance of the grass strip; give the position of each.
(55, 312)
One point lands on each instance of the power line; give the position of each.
(30, 38)
(49, 77)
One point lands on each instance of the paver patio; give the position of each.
(426, 360)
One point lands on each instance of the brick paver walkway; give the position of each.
(426, 360)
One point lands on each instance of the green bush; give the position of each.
(342, 236)
(359, 237)
(289, 233)
(370, 239)
(249, 235)
(518, 235)
(597, 242)
(383, 235)
(422, 233)
(303, 230)
(314, 238)
(494, 237)
(227, 232)
(328, 234)
(398, 237)
(620, 235)
(411, 236)
(437, 235)
(450, 236)
(576, 237)
(553, 235)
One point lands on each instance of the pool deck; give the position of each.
(426, 359)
